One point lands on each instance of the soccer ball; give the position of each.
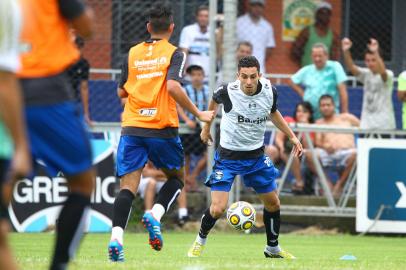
(241, 216)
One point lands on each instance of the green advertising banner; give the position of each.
(297, 14)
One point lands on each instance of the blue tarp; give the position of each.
(105, 105)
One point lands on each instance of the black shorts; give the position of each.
(192, 144)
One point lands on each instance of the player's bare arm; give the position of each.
(189, 122)
(176, 92)
(11, 112)
(281, 124)
(205, 135)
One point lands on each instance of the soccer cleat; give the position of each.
(154, 229)
(281, 255)
(195, 250)
(116, 251)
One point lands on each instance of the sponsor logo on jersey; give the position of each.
(148, 112)
(152, 64)
(259, 120)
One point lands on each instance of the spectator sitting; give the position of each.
(377, 106)
(320, 32)
(195, 40)
(335, 150)
(152, 180)
(253, 27)
(198, 93)
(322, 77)
(282, 148)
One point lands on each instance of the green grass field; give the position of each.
(223, 251)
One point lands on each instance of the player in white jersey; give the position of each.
(247, 104)
(14, 154)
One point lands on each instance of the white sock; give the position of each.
(201, 241)
(273, 250)
(158, 211)
(182, 212)
(117, 234)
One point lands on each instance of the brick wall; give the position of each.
(98, 49)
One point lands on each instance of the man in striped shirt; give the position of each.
(197, 91)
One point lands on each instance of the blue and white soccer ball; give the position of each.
(241, 215)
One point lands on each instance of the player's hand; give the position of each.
(206, 116)
(191, 124)
(373, 45)
(21, 164)
(346, 44)
(297, 146)
(205, 135)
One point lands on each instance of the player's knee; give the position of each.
(272, 206)
(216, 210)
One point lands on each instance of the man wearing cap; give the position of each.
(402, 95)
(253, 27)
(319, 32)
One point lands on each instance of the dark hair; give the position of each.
(308, 107)
(80, 42)
(244, 43)
(201, 8)
(192, 68)
(160, 17)
(248, 61)
(326, 97)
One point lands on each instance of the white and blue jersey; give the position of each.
(242, 131)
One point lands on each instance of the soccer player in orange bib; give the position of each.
(56, 128)
(151, 79)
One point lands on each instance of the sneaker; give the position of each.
(195, 250)
(116, 251)
(154, 229)
(281, 255)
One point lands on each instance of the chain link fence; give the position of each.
(271, 30)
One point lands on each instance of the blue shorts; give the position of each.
(134, 151)
(58, 138)
(259, 173)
